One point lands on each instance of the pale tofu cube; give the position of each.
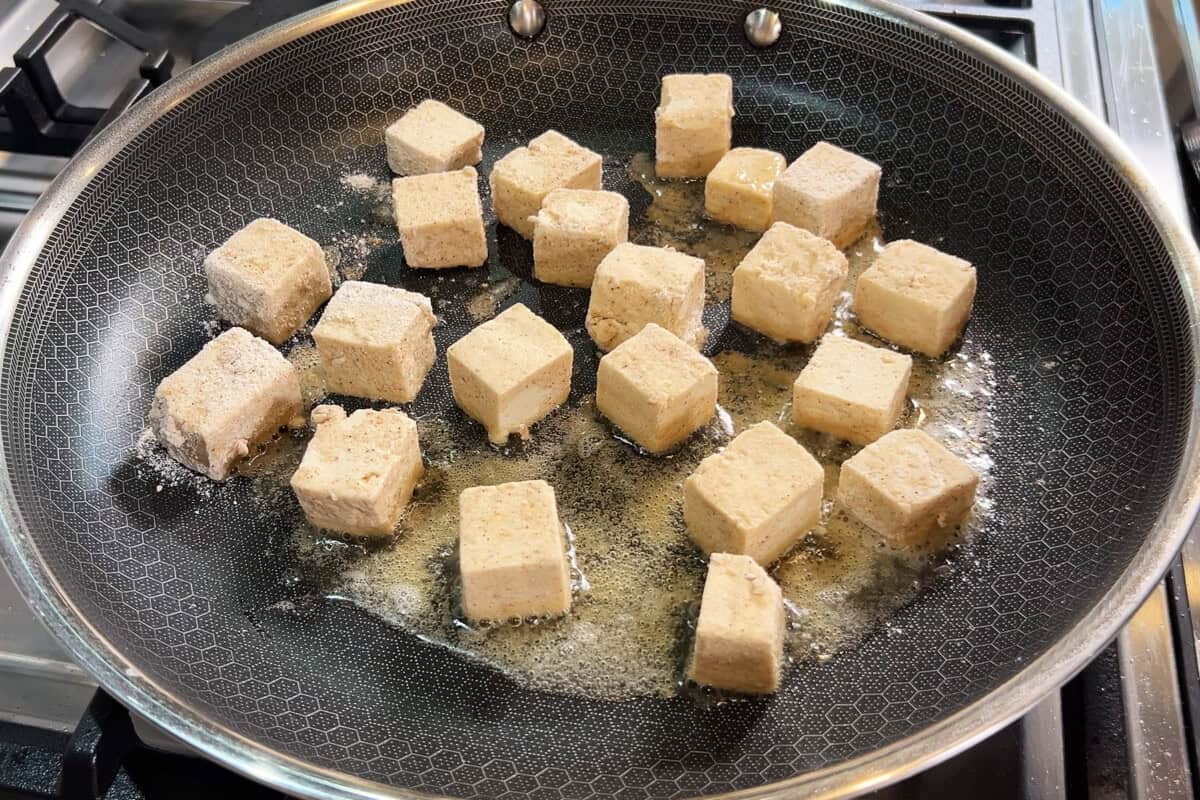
(511, 552)
(440, 219)
(267, 278)
(739, 636)
(376, 342)
(851, 390)
(787, 285)
(756, 497)
(433, 137)
(656, 388)
(740, 188)
(907, 487)
(358, 472)
(574, 231)
(510, 372)
(916, 296)
(521, 179)
(830, 192)
(635, 285)
(693, 124)
(237, 392)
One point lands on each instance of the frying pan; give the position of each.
(1085, 304)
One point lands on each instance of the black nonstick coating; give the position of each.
(1078, 304)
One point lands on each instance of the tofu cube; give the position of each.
(376, 342)
(830, 192)
(907, 487)
(916, 296)
(237, 392)
(433, 137)
(656, 388)
(851, 390)
(511, 552)
(739, 189)
(521, 179)
(574, 231)
(693, 124)
(510, 372)
(739, 636)
(787, 285)
(635, 285)
(267, 278)
(756, 497)
(358, 472)
(440, 219)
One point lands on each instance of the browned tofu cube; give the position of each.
(656, 388)
(510, 372)
(693, 124)
(433, 137)
(756, 497)
(522, 179)
(358, 472)
(376, 342)
(916, 296)
(787, 285)
(830, 192)
(238, 391)
(512, 554)
(636, 285)
(851, 390)
(574, 231)
(739, 636)
(907, 487)
(740, 188)
(440, 219)
(267, 278)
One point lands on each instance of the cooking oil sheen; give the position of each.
(637, 577)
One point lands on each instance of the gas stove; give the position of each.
(1126, 726)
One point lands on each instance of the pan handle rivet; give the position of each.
(526, 18)
(763, 27)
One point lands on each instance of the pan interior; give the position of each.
(203, 590)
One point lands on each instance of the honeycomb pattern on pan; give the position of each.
(1078, 305)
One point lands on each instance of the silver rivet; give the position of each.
(526, 18)
(763, 27)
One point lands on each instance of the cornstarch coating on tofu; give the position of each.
(376, 342)
(757, 497)
(739, 636)
(510, 372)
(636, 285)
(267, 278)
(916, 296)
(237, 392)
(358, 472)
(512, 553)
(693, 124)
(907, 487)
(574, 231)
(440, 219)
(830, 192)
(521, 179)
(851, 390)
(787, 285)
(433, 137)
(656, 388)
(740, 188)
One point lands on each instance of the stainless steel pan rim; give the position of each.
(861, 774)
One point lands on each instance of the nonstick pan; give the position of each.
(174, 595)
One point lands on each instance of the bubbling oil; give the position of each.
(637, 577)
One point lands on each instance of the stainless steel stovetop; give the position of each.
(1120, 729)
